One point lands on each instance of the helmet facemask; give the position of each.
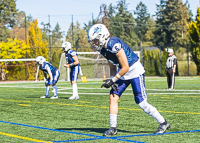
(97, 36)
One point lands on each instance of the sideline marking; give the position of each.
(79, 105)
(24, 138)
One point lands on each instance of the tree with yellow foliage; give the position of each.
(13, 49)
(194, 30)
(38, 46)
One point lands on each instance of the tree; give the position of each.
(45, 31)
(7, 13)
(141, 20)
(149, 35)
(189, 11)
(90, 23)
(12, 49)
(56, 36)
(77, 38)
(122, 24)
(38, 45)
(22, 24)
(172, 17)
(194, 29)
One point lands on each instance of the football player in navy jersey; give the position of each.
(48, 69)
(73, 64)
(130, 71)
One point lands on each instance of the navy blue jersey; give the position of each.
(44, 68)
(69, 55)
(114, 44)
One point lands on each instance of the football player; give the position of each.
(130, 71)
(73, 64)
(52, 72)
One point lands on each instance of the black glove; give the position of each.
(109, 83)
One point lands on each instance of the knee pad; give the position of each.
(147, 108)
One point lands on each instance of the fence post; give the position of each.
(188, 56)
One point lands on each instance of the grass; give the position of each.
(26, 118)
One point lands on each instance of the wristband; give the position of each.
(118, 76)
(72, 64)
(115, 78)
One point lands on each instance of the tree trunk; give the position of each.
(3, 75)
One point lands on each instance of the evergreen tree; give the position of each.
(189, 11)
(45, 31)
(172, 17)
(7, 13)
(149, 35)
(56, 36)
(77, 38)
(141, 20)
(122, 24)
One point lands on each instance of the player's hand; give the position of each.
(66, 65)
(46, 82)
(109, 83)
(53, 82)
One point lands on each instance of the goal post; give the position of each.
(19, 67)
(93, 65)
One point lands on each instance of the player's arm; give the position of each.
(45, 75)
(76, 61)
(49, 72)
(123, 62)
(112, 69)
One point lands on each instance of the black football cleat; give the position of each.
(110, 132)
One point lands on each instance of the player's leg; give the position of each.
(168, 78)
(55, 80)
(73, 77)
(47, 84)
(113, 107)
(139, 90)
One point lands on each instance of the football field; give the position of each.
(25, 118)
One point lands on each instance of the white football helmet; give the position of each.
(98, 32)
(66, 46)
(40, 60)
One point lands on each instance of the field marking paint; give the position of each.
(84, 102)
(97, 137)
(37, 127)
(67, 88)
(23, 105)
(100, 138)
(79, 105)
(63, 131)
(24, 138)
(166, 133)
(167, 97)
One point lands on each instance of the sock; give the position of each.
(152, 111)
(55, 90)
(47, 90)
(75, 89)
(113, 120)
